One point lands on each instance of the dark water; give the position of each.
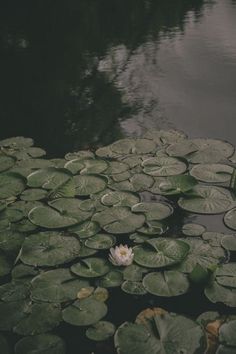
(82, 73)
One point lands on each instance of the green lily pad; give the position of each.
(207, 200)
(23, 272)
(6, 162)
(58, 285)
(17, 142)
(229, 242)
(50, 218)
(65, 190)
(84, 312)
(227, 334)
(171, 334)
(230, 219)
(70, 207)
(39, 318)
(169, 283)
(89, 184)
(33, 194)
(153, 211)
(134, 272)
(120, 199)
(133, 146)
(48, 178)
(112, 279)
(5, 265)
(79, 154)
(12, 313)
(118, 220)
(172, 185)
(133, 287)
(101, 331)
(49, 249)
(85, 229)
(192, 229)
(153, 227)
(41, 344)
(202, 253)
(11, 184)
(14, 291)
(160, 252)
(217, 293)
(116, 167)
(91, 267)
(100, 242)
(162, 137)
(212, 173)
(141, 182)
(86, 251)
(10, 242)
(163, 166)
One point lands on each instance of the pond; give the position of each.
(134, 103)
(80, 74)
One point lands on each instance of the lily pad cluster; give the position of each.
(60, 217)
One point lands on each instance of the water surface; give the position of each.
(83, 73)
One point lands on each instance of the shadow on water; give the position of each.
(52, 86)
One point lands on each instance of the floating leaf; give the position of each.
(58, 285)
(49, 218)
(101, 331)
(33, 194)
(14, 291)
(41, 344)
(207, 200)
(70, 207)
(11, 184)
(133, 146)
(191, 229)
(112, 279)
(230, 219)
(49, 249)
(168, 283)
(120, 199)
(212, 173)
(227, 334)
(100, 242)
(172, 185)
(39, 318)
(6, 162)
(85, 229)
(119, 220)
(89, 184)
(163, 166)
(139, 339)
(134, 272)
(133, 287)
(17, 142)
(162, 137)
(91, 267)
(48, 178)
(229, 242)
(11, 314)
(141, 182)
(153, 211)
(5, 264)
(84, 312)
(160, 252)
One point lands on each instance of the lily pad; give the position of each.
(101, 331)
(134, 272)
(11, 184)
(39, 318)
(133, 146)
(91, 267)
(141, 182)
(12, 313)
(133, 287)
(227, 334)
(5, 265)
(49, 249)
(169, 283)
(100, 242)
(160, 252)
(192, 229)
(212, 173)
(230, 219)
(33, 194)
(137, 338)
(50, 218)
(14, 291)
(6, 162)
(85, 229)
(120, 199)
(70, 207)
(48, 178)
(118, 220)
(17, 142)
(207, 200)
(112, 279)
(84, 312)
(58, 285)
(163, 137)
(202, 253)
(10, 242)
(89, 184)
(41, 344)
(229, 242)
(153, 211)
(163, 166)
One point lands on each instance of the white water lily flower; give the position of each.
(121, 255)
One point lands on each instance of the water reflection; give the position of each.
(80, 74)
